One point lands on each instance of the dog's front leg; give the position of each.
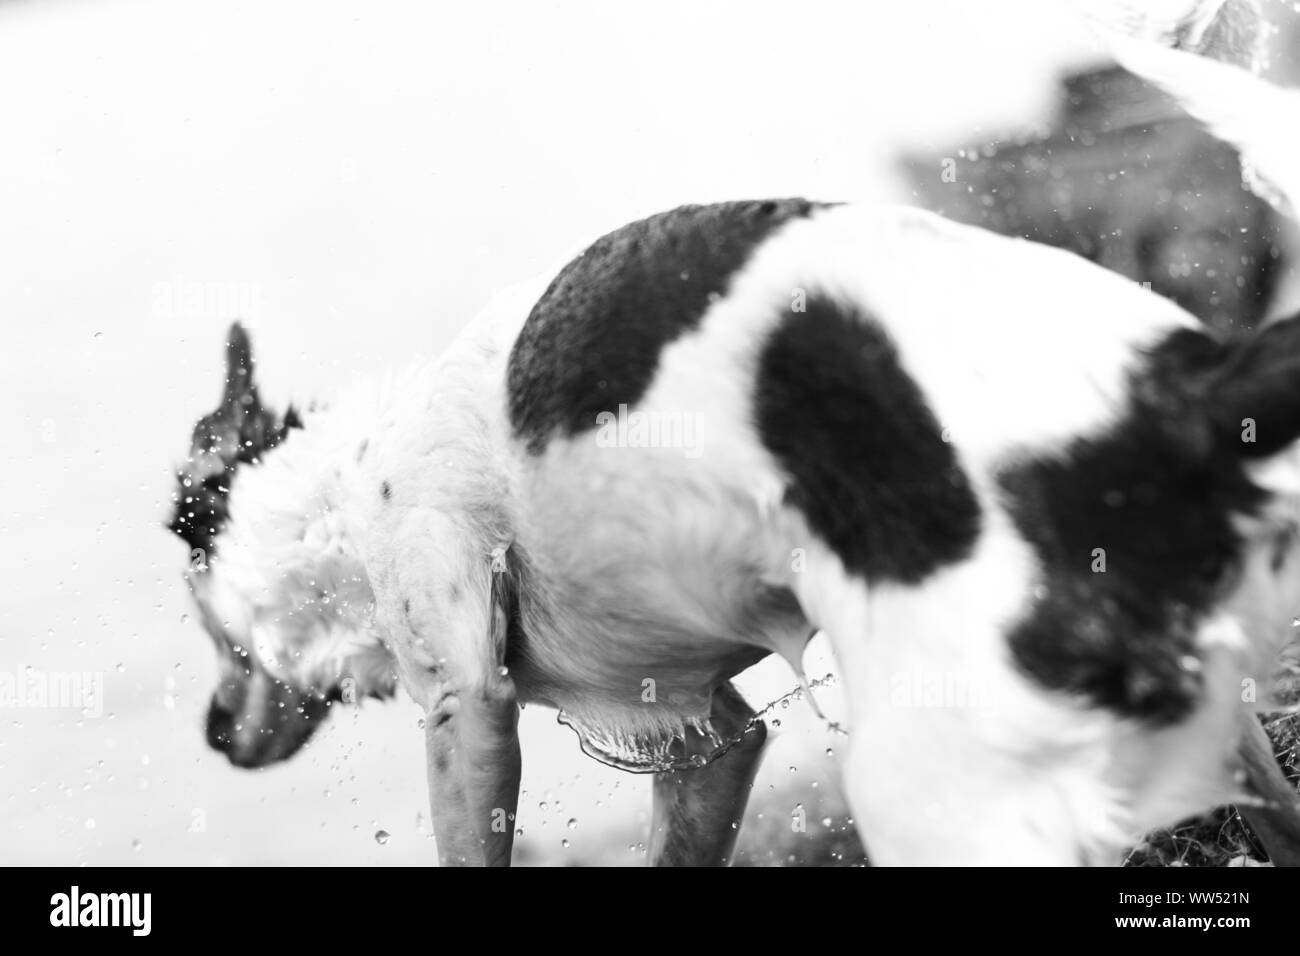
(697, 813)
(437, 602)
(473, 750)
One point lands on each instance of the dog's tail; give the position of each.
(1204, 53)
(1260, 119)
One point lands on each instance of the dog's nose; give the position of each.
(221, 728)
(268, 724)
(242, 745)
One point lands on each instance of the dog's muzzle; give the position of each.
(257, 720)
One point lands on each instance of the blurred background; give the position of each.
(353, 180)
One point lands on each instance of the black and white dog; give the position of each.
(969, 460)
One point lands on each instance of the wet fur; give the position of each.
(632, 564)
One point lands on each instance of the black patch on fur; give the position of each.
(239, 432)
(386, 490)
(1157, 493)
(592, 341)
(867, 462)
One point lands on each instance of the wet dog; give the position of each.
(981, 466)
(964, 457)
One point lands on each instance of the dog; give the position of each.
(955, 453)
(966, 458)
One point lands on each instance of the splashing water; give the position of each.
(644, 754)
(798, 694)
(639, 753)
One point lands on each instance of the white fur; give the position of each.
(288, 581)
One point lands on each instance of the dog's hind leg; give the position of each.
(697, 813)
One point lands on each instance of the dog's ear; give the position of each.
(1254, 397)
(239, 431)
(239, 366)
(242, 428)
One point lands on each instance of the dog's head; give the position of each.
(272, 572)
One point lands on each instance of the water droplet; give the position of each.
(135, 845)
(564, 843)
(381, 837)
(572, 824)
